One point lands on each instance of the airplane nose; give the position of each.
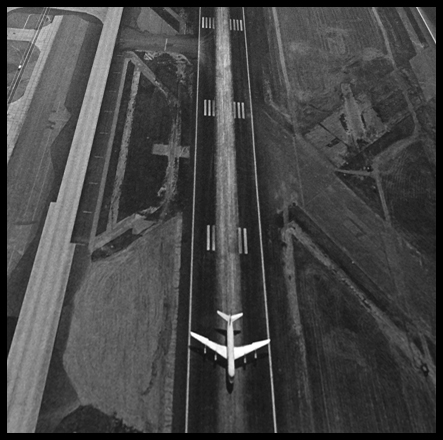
(231, 379)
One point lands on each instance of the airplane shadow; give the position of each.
(222, 331)
(209, 356)
(250, 359)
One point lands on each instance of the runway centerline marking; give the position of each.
(240, 247)
(245, 241)
(213, 238)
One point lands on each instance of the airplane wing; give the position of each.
(219, 349)
(241, 351)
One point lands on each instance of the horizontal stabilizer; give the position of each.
(237, 316)
(226, 317)
(239, 352)
(217, 348)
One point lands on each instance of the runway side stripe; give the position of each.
(239, 238)
(208, 107)
(213, 237)
(208, 22)
(235, 25)
(208, 237)
(239, 110)
(242, 236)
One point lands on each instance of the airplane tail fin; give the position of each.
(226, 317)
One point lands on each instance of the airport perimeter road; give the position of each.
(250, 405)
(428, 15)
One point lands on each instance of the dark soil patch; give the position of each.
(145, 172)
(11, 67)
(410, 188)
(88, 420)
(114, 246)
(116, 146)
(364, 187)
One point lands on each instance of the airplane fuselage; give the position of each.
(230, 350)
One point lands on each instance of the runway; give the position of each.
(211, 407)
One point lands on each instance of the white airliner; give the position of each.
(229, 351)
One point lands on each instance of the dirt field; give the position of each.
(15, 54)
(350, 147)
(113, 366)
(117, 338)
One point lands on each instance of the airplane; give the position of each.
(229, 351)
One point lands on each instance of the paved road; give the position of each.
(429, 16)
(211, 408)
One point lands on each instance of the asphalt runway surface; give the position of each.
(212, 405)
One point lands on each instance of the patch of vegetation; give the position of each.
(89, 420)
